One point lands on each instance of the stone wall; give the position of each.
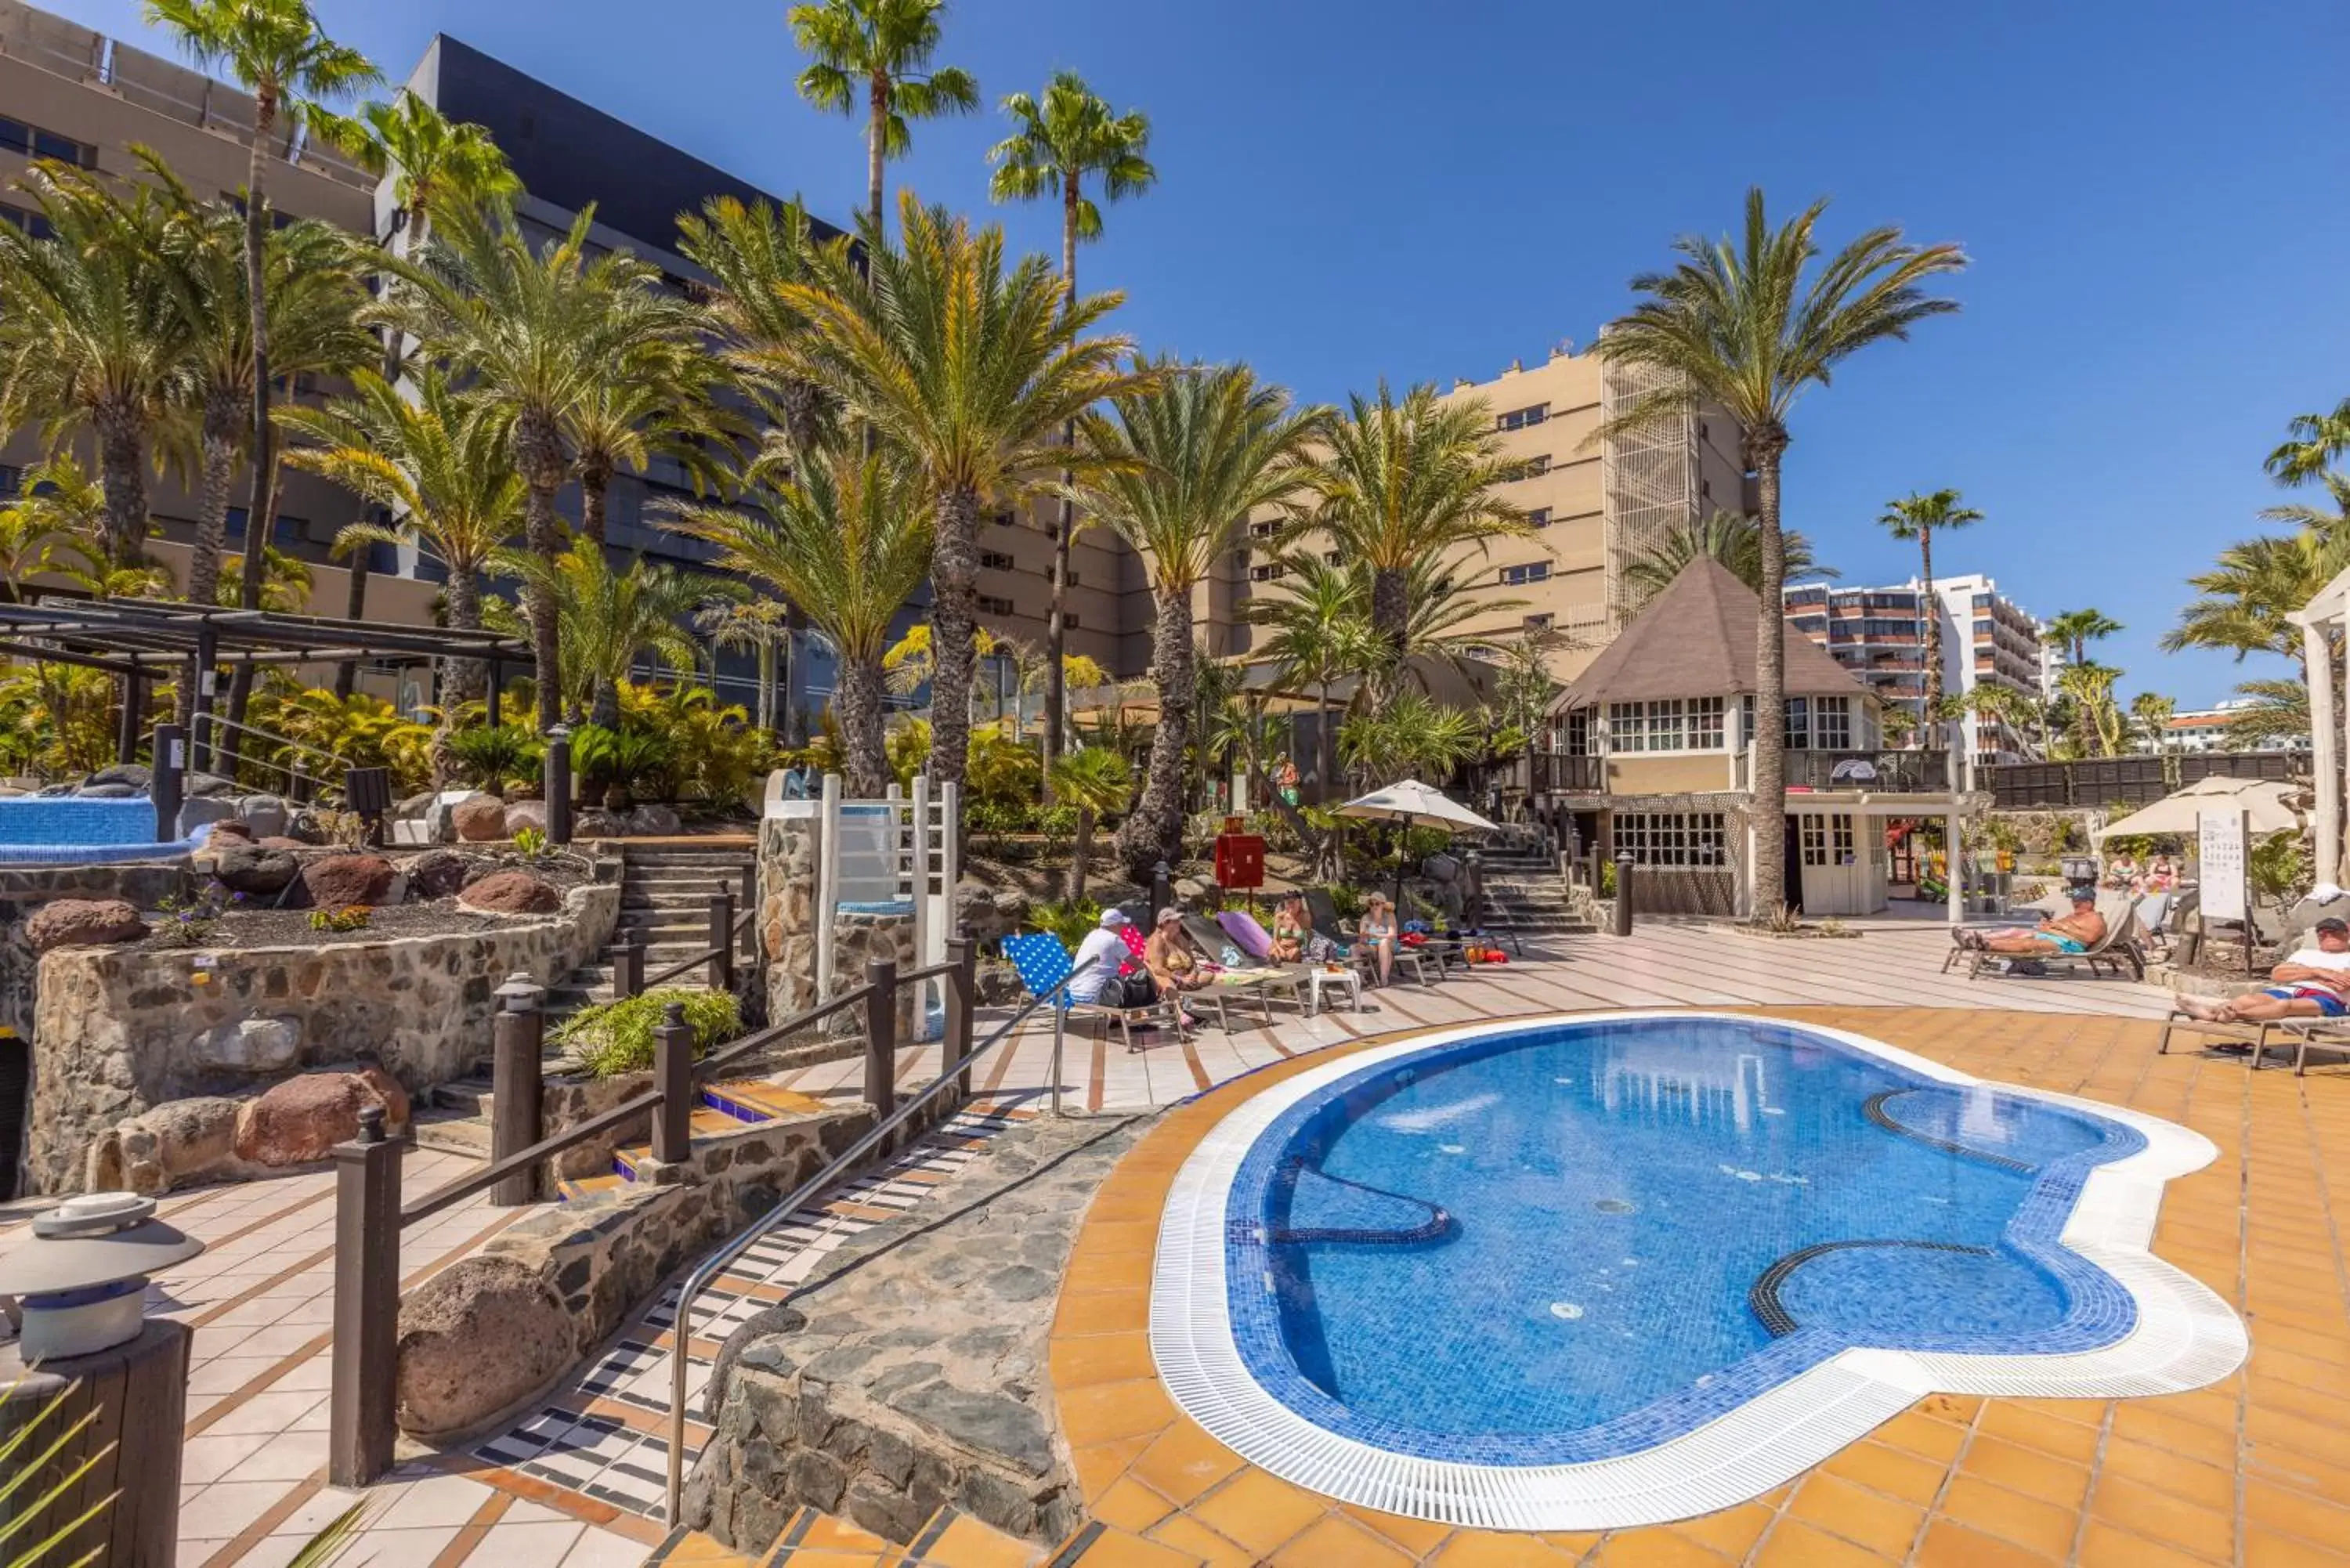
(788, 858)
(476, 1342)
(24, 888)
(117, 1032)
(910, 1371)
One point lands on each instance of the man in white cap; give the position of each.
(1100, 958)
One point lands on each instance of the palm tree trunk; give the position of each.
(347, 673)
(877, 131)
(594, 494)
(1064, 527)
(1325, 748)
(856, 705)
(468, 677)
(122, 474)
(1767, 803)
(954, 624)
(540, 455)
(767, 708)
(1154, 830)
(1390, 619)
(1073, 884)
(219, 468)
(1933, 606)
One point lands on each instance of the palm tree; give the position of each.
(2074, 632)
(1321, 632)
(607, 617)
(1399, 482)
(314, 296)
(2313, 442)
(57, 522)
(2250, 592)
(1413, 736)
(849, 539)
(971, 368)
(1732, 538)
(1072, 133)
(752, 252)
(534, 332)
(92, 336)
(284, 582)
(762, 626)
(1095, 781)
(883, 45)
(1746, 324)
(2152, 714)
(2096, 717)
(654, 400)
(2272, 711)
(277, 52)
(440, 463)
(1916, 516)
(1177, 471)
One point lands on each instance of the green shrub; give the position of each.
(530, 843)
(1069, 920)
(489, 757)
(1056, 821)
(614, 1037)
(1346, 899)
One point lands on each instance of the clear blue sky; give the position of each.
(2154, 195)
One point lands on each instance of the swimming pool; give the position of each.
(65, 830)
(1611, 1270)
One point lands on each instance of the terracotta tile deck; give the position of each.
(2254, 1471)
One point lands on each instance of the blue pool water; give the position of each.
(1578, 1242)
(68, 831)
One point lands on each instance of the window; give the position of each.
(1520, 419)
(1799, 724)
(1533, 467)
(25, 218)
(998, 561)
(1531, 572)
(1673, 837)
(1007, 518)
(1268, 573)
(1069, 622)
(34, 142)
(1825, 839)
(12, 479)
(1538, 622)
(1538, 517)
(1832, 724)
(1576, 736)
(1705, 723)
(1666, 724)
(989, 604)
(1263, 530)
(1074, 579)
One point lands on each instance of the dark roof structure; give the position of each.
(1697, 639)
(144, 638)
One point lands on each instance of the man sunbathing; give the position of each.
(2074, 933)
(2309, 984)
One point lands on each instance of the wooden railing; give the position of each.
(2128, 781)
(369, 1216)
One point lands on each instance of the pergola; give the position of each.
(2322, 620)
(143, 641)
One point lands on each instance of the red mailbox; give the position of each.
(1240, 857)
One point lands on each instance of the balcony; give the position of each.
(1879, 773)
(1558, 772)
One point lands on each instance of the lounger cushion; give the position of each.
(1245, 931)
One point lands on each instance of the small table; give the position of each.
(1348, 980)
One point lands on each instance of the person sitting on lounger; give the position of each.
(1378, 929)
(2311, 983)
(1174, 963)
(2074, 933)
(1295, 940)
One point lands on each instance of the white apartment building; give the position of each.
(2206, 730)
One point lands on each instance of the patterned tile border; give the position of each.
(2185, 1337)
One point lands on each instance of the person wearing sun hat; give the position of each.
(1174, 963)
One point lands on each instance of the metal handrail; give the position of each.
(741, 1240)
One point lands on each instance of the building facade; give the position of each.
(1879, 634)
(2206, 730)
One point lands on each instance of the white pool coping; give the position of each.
(2185, 1337)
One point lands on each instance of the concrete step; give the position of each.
(455, 1132)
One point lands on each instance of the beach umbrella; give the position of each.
(2177, 811)
(1409, 802)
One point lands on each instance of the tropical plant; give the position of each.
(2312, 442)
(277, 51)
(2151, 714)
(2073, 631)
(354, 731)
(1177, 467)
(1410, 736)
(883, 47)
(1071, 920)
(1094, 779)
(440, 463)
(2097, 718)
(489, 757)
(1071, 134)
(532, 332)
(716, 755)
(607, 619)
(2270, 710)
(2246, 598)
(91, 334)
(1321, 633)
(57, 519)
(762, 626)
(848, 541)
(655, 399)
(434, 163)
(1732, 538)
(57, 718)
(1916, 516)
(350, 917)
(751, 252)
(1397, 484)
(284, 582)
(2278, 868)
(1000, 771)
(609, 1038)
(970, 370)
(621, 764)
(1745, 324)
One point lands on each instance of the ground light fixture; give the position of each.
(81, 1279)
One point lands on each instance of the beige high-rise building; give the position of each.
(1596, 503)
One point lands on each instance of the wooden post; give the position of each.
(359, 1428)
(1623, 892)
(962, 986)
(722, 940)
(135, 1396)
(673, 1076)
(627, 966)
(881, 1036)
(170, 780)
(556, 772)
(134, 706)
(517, 1042)
(200, 675)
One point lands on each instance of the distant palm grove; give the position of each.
(852, 410)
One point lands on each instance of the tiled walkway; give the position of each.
(2254, 1472)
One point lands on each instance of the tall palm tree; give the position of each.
(1916, 516)
(609, 617)
(971, 368)
(883, 45)
(1397, 482)
(534, 332)
(656, 400)
(1095, 781)
(2073, 631)
(277, 51)
(314, 296)
(91, 335)
(440, 465)
(2312, 442)
(1746, 324)
(1732, 538)
(1320, 632)
(2152, 712)
(849, 539)
(1072, 133)
(761, 625)
(751, 252)
(1178, 470)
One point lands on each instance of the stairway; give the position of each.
(953, 1538)
(1525, 897)
(665, 891)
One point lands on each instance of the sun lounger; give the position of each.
(2117, 951)
(2255, 1036)
(1358, 952)
(1043, 962)
(1263, 974)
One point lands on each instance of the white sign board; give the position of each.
(2219, 855)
